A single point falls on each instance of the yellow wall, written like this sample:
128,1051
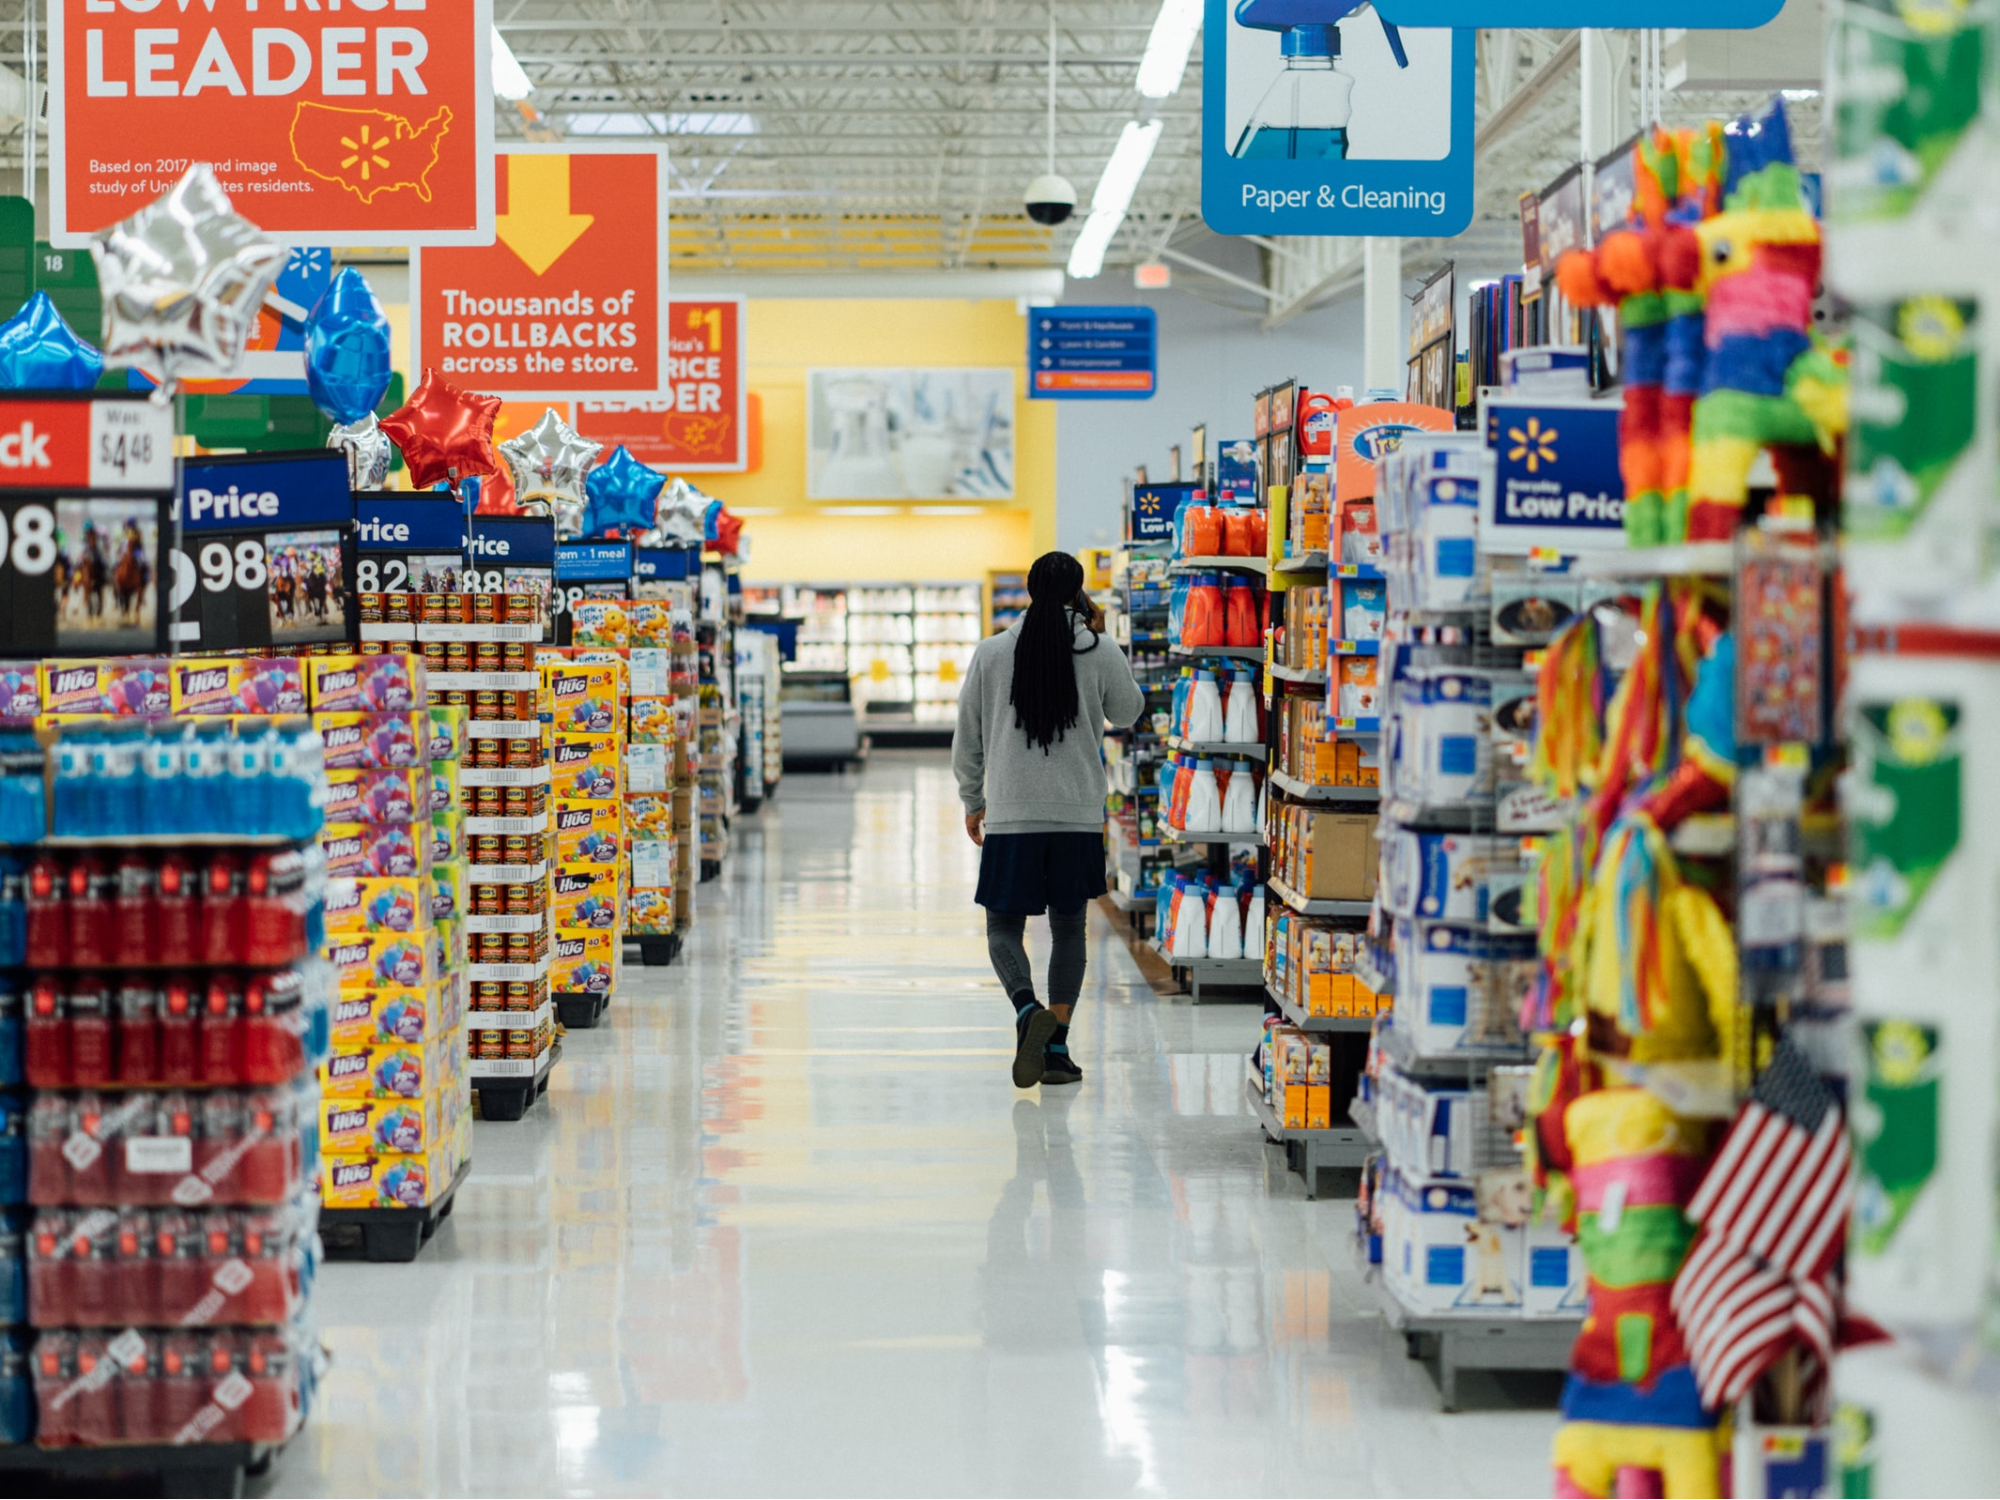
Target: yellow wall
802,542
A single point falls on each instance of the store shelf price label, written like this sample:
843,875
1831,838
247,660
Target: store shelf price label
131,446
265,556
1320,117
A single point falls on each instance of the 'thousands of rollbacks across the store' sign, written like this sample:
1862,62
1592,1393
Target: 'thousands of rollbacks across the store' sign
1092,353
1557,484
1320,118
571,297
1734,15
365,125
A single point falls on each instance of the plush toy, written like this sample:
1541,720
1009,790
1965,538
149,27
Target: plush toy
1768,383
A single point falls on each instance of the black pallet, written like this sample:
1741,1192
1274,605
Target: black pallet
509,1098
656,950
190,1469
388,1234
580,1010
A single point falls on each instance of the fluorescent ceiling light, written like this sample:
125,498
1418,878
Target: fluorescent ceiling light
1086,256
1799,96
509,81
660,122
1167,49
1113,196
1126,167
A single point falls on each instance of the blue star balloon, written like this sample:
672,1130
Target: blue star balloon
623,496
39,353
347,349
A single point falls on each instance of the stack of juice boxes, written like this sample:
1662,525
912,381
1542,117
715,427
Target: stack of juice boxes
583,698
395,1112
1298,1076
172,1001
660,761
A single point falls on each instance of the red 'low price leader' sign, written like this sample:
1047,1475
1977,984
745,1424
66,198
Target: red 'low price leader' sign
695,422
570,299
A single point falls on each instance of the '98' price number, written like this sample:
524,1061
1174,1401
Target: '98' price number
225,567
28,540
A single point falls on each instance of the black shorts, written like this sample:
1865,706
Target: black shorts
1029,873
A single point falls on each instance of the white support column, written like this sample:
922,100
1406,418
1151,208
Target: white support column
1606,90
1383,356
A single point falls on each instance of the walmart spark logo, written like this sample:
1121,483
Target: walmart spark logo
1533,443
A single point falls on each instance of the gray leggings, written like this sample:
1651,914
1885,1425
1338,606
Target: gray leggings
1006,945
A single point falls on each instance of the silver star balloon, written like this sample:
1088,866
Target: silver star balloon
548,463
183,281
368,451
681,515
569,518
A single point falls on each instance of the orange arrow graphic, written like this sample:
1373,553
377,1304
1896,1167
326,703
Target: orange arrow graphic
538,225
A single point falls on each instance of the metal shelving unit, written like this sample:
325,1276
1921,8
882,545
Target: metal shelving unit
1307,1152
1306,906
1307,791
1215,973
1305,1022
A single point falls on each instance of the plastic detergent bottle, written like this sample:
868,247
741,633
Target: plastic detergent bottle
1253,922
1225,926
1304,115
1204,719
1203,810
1239,803
1239,714
1191,925
1240,625
1201,617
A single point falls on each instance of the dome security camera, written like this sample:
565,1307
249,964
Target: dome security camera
1050,199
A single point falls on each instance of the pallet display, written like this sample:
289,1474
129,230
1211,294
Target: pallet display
167,929
584,698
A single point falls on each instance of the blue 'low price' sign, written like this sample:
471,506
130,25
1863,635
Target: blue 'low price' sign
1556,481
1092,353
1318,117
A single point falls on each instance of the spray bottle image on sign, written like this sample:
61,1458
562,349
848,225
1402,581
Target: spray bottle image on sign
1304,115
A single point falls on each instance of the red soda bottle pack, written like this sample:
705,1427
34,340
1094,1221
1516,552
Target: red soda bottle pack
183,1386
174,909
170,1267
170,1148
111,1029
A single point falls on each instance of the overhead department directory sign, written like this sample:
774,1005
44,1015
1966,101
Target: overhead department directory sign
1319,117
1092,353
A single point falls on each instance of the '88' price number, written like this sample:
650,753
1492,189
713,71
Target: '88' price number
28,540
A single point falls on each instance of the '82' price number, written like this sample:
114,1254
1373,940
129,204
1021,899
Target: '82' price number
28,539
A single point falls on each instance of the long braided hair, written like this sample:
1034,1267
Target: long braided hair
1044,689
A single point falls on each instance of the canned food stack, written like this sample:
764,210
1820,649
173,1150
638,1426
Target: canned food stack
170,1005
480,649
392,1113
585,703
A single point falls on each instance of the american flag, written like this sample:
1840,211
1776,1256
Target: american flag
1773,1216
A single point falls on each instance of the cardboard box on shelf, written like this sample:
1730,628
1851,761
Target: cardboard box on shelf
369,1181
392,1070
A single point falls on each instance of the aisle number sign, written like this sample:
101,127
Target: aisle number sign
697,421
370,124
571,297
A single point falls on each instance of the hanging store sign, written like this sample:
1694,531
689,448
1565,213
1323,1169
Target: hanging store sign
1093,354
698,419
1320,118
266,553
86,514
1556,482
570,297
371,125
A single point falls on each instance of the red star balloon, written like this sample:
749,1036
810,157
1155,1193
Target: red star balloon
497,496
445,433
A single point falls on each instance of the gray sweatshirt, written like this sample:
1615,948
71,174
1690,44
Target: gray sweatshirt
1022,789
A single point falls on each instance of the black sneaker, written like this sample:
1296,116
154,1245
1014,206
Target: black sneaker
1058,1068
1032,1030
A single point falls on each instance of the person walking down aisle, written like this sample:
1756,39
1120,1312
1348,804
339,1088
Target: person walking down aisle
1031,775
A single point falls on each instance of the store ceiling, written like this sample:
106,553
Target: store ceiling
841,136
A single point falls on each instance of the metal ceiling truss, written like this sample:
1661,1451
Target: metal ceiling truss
817,135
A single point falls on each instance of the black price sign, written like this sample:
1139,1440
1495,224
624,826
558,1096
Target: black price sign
266,558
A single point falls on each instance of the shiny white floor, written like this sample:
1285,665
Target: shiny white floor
785,1227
